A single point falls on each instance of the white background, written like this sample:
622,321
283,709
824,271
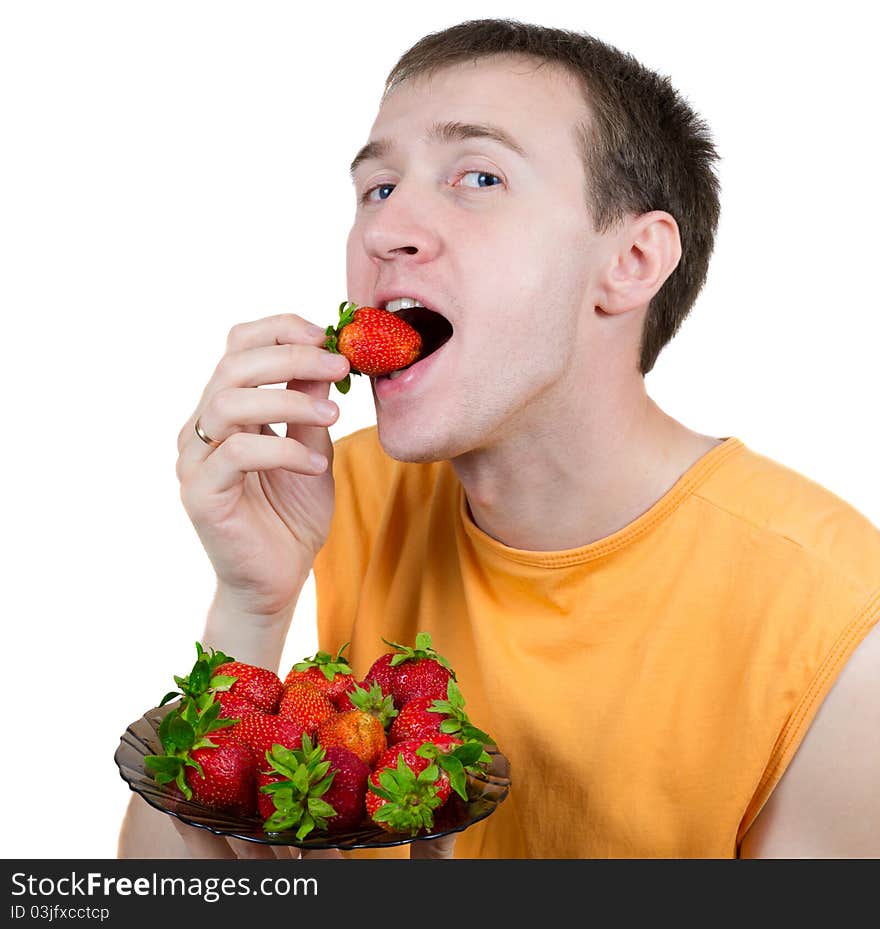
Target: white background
168,169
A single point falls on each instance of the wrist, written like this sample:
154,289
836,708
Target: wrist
248,634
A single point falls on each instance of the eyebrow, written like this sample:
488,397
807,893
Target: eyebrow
443,132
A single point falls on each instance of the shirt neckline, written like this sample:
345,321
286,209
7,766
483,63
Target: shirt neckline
698,472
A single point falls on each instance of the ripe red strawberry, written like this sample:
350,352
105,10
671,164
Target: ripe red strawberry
260,686
405,789
426,717
347,794
343,700
234,707
375,341
382,673
305,704
414,779
331,675
265,803
415,721
311,787
419,671
260,733
226,777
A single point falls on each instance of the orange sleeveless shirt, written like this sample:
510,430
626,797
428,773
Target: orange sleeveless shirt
650,688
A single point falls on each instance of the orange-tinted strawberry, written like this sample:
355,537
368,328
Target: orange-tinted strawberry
225,778
304,703
375,341
362,728
259,686
332,675
357,731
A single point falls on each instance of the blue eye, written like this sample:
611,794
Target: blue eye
369,198
483,179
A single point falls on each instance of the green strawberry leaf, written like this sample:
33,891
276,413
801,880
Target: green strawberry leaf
319,807
199,677
467,754
306,826
344,385
165,767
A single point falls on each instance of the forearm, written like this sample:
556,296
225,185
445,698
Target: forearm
246,636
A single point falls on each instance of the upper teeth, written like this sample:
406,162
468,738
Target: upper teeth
402,303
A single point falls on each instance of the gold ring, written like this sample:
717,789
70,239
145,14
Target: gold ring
205,437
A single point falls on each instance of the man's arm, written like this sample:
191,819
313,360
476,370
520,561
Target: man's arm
827,804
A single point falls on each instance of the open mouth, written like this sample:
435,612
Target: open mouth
435,329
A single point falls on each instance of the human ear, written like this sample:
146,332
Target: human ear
648,248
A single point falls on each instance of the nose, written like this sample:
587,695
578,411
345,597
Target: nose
401,227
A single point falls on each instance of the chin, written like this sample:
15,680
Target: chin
418,444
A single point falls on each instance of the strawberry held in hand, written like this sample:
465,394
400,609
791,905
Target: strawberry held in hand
375,341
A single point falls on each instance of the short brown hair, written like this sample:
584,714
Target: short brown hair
648,150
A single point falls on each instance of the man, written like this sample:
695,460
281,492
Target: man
669,635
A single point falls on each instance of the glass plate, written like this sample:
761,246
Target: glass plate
141,738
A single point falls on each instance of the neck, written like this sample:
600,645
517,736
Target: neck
551,487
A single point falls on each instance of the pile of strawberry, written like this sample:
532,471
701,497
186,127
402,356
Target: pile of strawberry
320,751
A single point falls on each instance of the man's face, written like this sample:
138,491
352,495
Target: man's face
491,232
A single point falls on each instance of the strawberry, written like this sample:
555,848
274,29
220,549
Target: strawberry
303,702
420,671
361,729
405,789
375,341
234,707
347,793
260,733
381,673
413,779
357,731
313,787
343,700
224,777
198,682
185,732
259,686
415,721
425,717
331,675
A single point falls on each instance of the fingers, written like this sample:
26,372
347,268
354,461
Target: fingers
243,409
441,848
203,844
277,364
278,349
280,329
321,853
274,350
252,850
242,453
